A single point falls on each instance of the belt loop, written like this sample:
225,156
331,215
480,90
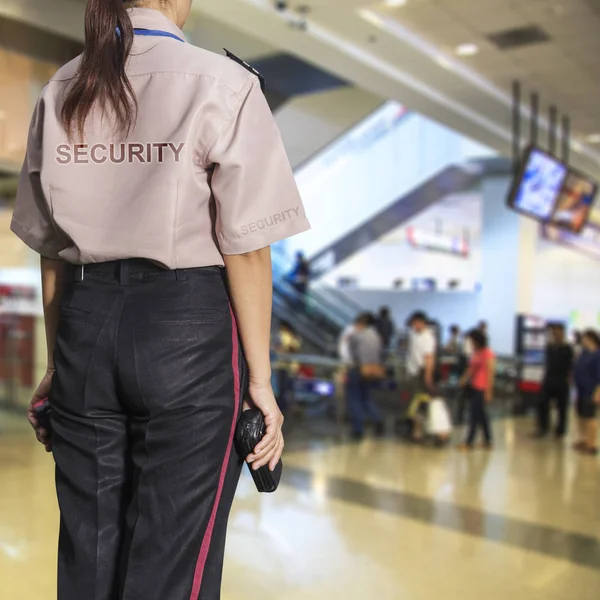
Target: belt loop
123,272
81,273
180,275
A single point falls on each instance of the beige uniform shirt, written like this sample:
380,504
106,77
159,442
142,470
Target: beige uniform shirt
204,172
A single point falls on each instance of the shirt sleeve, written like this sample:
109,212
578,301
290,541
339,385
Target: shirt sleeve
32,221
256,196
428,344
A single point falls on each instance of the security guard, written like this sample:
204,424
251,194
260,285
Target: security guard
151,165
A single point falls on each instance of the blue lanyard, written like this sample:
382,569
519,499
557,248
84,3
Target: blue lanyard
157,33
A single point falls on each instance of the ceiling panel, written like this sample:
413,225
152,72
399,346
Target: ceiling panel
565,70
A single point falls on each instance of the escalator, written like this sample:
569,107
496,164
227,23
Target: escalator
318,325
453,179
347,308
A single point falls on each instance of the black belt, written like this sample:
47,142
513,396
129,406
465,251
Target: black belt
124,270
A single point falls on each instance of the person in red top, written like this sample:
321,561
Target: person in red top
480,376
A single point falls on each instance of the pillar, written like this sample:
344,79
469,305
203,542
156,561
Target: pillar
508,243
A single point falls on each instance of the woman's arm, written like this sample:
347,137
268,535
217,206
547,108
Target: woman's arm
53,282
466,377
251,291
596,393
491,369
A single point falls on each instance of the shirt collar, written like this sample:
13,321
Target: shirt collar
149,18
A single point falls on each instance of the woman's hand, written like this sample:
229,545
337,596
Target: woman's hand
489,396
597,395
270,449
41,393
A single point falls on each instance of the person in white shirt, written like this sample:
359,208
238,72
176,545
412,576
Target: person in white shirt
344,344
420,366
421,353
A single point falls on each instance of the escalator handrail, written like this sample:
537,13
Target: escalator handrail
303,320
344,304
306,332
287,290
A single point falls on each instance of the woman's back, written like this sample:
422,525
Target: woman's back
480,362
150,165
200,120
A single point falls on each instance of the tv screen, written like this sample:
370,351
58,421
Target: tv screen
549,191
574,202
538,185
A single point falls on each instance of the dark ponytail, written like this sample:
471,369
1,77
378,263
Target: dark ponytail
101,78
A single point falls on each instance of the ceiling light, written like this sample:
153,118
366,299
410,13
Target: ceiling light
466,50
444,62
594,138
371,17
395,3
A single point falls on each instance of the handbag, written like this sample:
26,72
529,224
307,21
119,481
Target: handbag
372,372
249,432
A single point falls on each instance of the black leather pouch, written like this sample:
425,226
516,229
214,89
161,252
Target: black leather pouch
250,431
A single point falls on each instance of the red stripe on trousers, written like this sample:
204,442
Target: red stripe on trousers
205,548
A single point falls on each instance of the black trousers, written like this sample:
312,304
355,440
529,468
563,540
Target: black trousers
559,392
478,417
146,396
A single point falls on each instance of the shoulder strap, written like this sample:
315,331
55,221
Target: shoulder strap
248,67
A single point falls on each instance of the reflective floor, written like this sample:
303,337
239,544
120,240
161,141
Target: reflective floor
377,520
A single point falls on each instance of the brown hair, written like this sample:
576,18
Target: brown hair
593,336
101,77
479,339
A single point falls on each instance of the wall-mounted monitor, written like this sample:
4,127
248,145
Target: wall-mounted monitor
574,202
550,191
538,185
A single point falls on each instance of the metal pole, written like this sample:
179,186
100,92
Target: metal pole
516,124
552,130
535,115
566,138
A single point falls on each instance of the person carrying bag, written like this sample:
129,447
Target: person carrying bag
365,352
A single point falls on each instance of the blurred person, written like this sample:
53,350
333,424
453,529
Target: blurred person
577,343
300,274
464,392
483,327
453,346
385,326
365,352
454,351
587,383
556,383
287,342
468,346
480,376
421,354
150,166
344,344
420,364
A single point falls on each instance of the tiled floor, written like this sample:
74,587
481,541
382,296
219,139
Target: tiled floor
379,520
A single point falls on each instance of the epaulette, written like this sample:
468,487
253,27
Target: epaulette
248,67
